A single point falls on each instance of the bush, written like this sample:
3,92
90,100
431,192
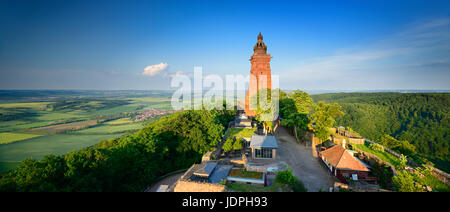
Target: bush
404,182
286,177
377,147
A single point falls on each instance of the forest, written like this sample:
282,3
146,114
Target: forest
127,163
420,119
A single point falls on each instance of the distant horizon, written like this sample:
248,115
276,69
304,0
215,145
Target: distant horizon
308,91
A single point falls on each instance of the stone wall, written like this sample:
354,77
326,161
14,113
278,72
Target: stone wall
257,169
374,159
440,175
348,140
392,152
190,186
356,140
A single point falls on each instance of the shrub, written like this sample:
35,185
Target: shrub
377,147
404,182
286,177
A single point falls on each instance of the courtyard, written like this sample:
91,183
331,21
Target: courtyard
304,165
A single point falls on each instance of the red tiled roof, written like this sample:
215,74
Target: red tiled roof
339,158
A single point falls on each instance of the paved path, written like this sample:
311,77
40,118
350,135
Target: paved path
166,181
304,165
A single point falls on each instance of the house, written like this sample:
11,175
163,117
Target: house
243,121
263,147
343,165
203,177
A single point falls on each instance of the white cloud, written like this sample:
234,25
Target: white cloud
153,70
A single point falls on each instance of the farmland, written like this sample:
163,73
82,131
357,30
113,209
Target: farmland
37,123
6,138
12,154
110,129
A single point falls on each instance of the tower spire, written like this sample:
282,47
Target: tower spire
260,47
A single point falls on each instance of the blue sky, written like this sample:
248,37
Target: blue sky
337,45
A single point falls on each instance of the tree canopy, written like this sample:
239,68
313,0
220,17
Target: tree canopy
420,119
324,118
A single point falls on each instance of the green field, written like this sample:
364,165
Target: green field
6,138
52,116
12,154
29,105
11,126
110,129
120,121
50,122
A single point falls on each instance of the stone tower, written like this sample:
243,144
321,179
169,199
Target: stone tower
260,70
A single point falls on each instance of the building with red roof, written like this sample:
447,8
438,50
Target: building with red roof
343,165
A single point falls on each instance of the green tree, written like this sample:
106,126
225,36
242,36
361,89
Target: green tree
377,147
324,118
404,182
228,145
419,119
238,144
294,109
267,109
303,102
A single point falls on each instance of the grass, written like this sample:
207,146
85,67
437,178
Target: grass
382,155
245,174
433,183
427,180
32,105
12,154
6,138
240,132
241,187
6,166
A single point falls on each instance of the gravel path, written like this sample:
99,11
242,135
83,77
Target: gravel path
305,166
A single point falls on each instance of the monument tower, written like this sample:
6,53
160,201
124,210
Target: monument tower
260,76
